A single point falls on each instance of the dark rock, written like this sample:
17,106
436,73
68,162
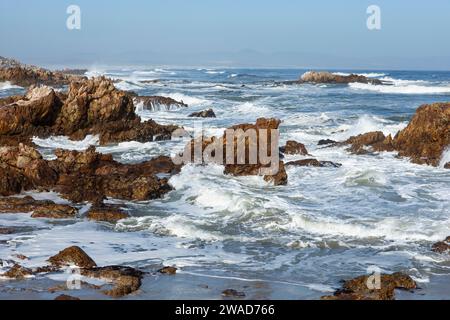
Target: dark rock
65,297
447,165
313,163
233,293
72,255
55,211
441,246
357,289
156,103
293,147
168,270
7,230
326,142
204,114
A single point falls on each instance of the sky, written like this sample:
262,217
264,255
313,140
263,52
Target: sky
331,34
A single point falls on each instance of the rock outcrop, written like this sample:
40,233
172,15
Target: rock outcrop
72,256
294,147
424,140
358,288
39,208
25,75
327,77
203,114
106,213
158,103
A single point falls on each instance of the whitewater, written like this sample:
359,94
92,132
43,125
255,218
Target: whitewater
292,242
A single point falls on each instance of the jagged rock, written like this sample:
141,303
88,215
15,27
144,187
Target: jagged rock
34,112
327,77
203,114
106,213
426,136
126,279
357,289
376,141
18,272
441,246
72,256
294,147
65,297
55,211
25,75
313,163
157,103
168,270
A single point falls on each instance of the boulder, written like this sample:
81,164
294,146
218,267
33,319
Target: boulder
203,114
358,289
293,147
441,246
168,270
72,256
232,293
18,272
324,142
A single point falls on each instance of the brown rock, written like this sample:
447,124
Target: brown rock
72,255
376,141
441,246
22,205
168,270
233,293
327,77
106,213
357,289
18,272
55,211
126,279
293,147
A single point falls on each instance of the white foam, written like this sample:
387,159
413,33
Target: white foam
64,142
127,85
189,100
7,86
400,86
368,75
445,158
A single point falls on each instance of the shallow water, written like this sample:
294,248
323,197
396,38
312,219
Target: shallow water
294,241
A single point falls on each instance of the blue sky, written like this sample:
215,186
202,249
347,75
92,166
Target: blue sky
260,33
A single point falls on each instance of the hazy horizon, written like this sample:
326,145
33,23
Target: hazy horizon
254,34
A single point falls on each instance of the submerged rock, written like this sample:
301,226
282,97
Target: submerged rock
65,297
204,114
18,272
168,270
72,256
358,288
106,213
327,77
324,142
313,163
293,147
233,293
441,246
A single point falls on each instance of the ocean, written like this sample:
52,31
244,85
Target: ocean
273,242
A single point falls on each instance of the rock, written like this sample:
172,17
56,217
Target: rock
204,114
126,279
326,142
168,270
426,136
65,297
357,289
72,256
313,163
327,77
447,165
18,272
441,246
30,113
22,205
55,211
106,213
233,293
7,230
293,147
158,103
376,141
24,75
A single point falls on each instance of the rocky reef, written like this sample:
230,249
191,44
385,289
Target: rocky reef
331,78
